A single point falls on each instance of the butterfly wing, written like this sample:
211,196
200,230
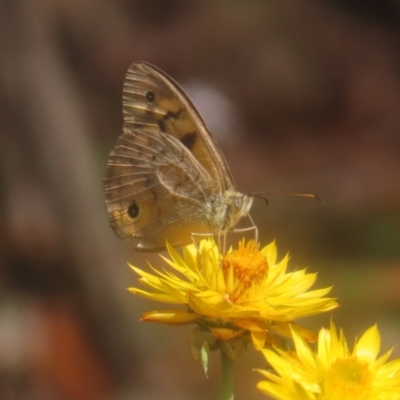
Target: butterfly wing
154,101
155,189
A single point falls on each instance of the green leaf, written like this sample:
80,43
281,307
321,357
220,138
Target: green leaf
205,348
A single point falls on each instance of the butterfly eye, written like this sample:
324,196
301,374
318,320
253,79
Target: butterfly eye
133,210
150,96
239,201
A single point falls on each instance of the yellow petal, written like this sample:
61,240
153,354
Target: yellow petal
258,339
173,317
163,297
369,344
225,333
287,329
271,252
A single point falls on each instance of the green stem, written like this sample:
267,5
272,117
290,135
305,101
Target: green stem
227,376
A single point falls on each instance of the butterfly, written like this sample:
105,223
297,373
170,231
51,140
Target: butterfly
166,178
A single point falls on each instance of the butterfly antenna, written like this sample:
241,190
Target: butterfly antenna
307,195
258,195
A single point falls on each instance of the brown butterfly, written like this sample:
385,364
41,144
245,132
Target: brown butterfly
167,178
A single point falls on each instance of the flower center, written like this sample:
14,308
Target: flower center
348,379
243,268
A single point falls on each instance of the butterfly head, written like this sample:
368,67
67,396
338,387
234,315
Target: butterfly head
229,209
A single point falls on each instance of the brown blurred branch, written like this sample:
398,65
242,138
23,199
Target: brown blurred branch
53,191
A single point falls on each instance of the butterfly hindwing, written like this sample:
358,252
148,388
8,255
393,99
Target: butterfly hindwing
152,184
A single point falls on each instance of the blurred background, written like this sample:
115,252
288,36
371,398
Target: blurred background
302,96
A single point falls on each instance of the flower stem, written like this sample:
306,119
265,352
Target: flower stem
227,365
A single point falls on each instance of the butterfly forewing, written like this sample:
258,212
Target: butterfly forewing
152,100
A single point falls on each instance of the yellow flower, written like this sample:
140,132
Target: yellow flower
244,294
332,372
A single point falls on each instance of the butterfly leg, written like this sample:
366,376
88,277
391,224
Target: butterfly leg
201,236
224,243
220,245
253,227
